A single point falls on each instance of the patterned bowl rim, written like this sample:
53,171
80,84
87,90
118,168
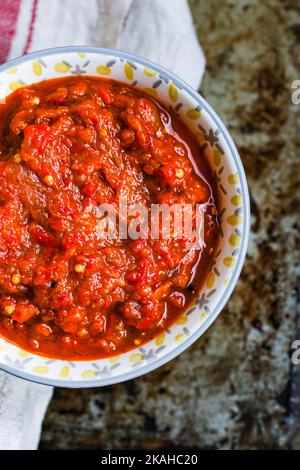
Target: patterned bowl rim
98,382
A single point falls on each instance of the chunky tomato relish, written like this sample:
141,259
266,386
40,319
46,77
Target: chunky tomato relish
67,146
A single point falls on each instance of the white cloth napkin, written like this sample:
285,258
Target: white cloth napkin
160,30
22,409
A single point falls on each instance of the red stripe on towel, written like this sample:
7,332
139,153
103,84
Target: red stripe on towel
8,21
31,26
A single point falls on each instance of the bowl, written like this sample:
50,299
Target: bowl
215,141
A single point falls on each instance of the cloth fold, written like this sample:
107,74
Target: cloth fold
161,31
22,409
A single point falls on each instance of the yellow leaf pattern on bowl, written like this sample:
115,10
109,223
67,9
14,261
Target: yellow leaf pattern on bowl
137,357
88,374
61,67
41,370
148,71
217,157
180,337
233,178
64,372
210,280
182,320
12,70
15,85
234,219
114,359
173,92
234,239
193,113
103,70
128,71
203,316
229,261
150,91
37,68
159,340
23,353
236,200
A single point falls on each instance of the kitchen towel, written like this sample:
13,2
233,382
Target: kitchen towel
159,30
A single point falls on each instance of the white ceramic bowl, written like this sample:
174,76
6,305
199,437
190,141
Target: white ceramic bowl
228,171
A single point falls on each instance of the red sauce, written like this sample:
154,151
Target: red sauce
67,146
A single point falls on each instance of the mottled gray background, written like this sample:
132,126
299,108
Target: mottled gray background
236,387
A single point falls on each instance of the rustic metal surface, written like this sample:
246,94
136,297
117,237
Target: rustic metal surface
236,387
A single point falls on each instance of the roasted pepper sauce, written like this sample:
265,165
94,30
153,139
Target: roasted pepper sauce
67,146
